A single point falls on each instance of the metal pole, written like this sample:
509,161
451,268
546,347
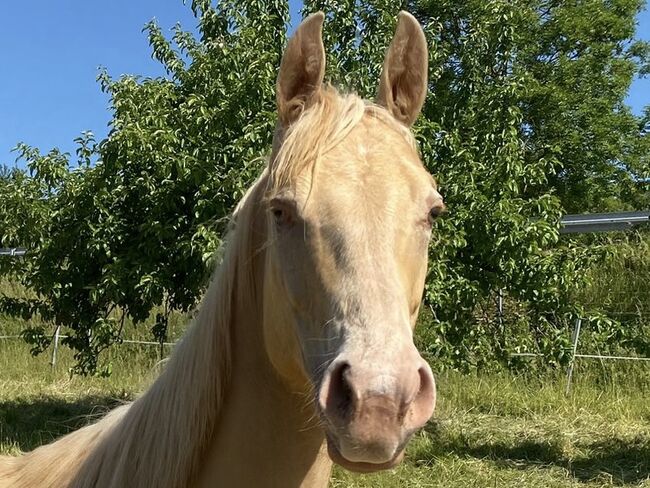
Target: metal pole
56,345
576,335
500,303
500,315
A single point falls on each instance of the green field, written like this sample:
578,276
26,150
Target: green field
492,430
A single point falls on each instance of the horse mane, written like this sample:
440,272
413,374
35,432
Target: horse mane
320,128
158,440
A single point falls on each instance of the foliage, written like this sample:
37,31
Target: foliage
137,229
525,120
505,128
580,66
619,290
506,177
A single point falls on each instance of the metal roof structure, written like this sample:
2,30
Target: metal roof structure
602,222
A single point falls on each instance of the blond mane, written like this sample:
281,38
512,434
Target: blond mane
159,440
320,128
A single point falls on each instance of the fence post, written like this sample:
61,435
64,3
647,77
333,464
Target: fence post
56,345
500,316
576,335
500,303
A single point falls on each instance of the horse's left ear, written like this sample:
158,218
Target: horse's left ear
403,82
302,69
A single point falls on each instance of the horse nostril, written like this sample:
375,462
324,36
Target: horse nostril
340,395
426,381
423,404
337,394
351,399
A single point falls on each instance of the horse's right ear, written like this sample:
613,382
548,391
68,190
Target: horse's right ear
302,70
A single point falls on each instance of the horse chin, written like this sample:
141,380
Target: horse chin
360,467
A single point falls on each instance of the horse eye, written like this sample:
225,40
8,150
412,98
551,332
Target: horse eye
280,216
282,211
436,212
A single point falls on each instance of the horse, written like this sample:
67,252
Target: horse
301,354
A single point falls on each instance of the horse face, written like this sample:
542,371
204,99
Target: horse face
347,251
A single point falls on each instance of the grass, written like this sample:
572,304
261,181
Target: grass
490,430
39,403
500,431
619,289
619,284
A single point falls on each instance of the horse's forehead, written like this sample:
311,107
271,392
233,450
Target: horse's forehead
373,163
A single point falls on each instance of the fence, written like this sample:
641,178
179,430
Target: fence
602,222
20,252
13,251
570,224
587,224
58,336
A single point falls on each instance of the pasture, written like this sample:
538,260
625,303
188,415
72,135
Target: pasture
489,430
327,260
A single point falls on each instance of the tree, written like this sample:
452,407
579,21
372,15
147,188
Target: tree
133,229
581,67
504,179
138,229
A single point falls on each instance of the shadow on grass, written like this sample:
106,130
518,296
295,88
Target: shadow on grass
622,461
27,423
618,461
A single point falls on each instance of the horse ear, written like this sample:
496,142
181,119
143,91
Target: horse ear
403,82
302,69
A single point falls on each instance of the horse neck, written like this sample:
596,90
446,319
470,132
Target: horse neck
157,440
219,404
267,435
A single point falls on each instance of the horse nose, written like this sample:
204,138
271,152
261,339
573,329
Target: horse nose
374,409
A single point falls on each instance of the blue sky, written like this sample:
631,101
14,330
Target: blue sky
51,50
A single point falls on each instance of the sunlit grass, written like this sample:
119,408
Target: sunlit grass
500,431
489,430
